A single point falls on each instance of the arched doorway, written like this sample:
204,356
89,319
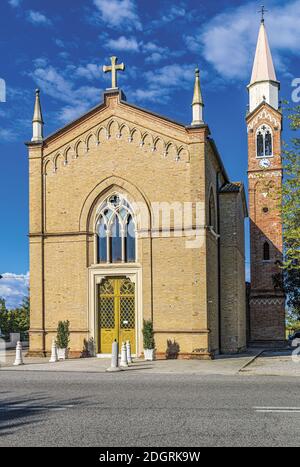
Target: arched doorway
116,310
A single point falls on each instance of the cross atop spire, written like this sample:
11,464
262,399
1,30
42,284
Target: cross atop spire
114,68
262,11
263,86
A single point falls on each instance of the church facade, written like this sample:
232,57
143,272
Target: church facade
133,218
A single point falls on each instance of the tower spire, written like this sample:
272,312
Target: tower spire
263,84
37,121
197,103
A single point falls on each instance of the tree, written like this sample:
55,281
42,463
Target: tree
22,315
3,316
291,214
15,320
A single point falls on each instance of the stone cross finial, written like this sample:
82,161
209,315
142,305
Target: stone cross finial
114,68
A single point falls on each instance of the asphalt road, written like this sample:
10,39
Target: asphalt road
135,409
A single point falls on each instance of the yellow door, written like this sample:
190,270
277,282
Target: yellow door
116,313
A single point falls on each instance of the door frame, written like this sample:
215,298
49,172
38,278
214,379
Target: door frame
95,275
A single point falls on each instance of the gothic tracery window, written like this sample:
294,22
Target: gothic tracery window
115,229
264,141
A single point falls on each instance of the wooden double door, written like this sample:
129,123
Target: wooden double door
116,313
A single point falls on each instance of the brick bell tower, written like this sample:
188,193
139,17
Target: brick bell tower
264,125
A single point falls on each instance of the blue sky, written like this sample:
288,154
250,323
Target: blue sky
60,47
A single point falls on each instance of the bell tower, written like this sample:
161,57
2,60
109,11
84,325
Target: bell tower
264,126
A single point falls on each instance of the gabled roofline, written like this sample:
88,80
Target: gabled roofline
74,122
141,109
216,152
102,105
250,114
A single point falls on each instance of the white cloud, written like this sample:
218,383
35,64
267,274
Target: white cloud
176,12
90,71
15,3
37,18
172,76
152,47
7,135
151,95
161,84
61,88
119,13
154,52
123,43
59,43
13,288
40,62
155,57
228,40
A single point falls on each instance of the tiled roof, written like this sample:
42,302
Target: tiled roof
232,187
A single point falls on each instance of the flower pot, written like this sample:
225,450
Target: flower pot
149,354
62,354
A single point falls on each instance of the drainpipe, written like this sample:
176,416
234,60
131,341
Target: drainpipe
219,262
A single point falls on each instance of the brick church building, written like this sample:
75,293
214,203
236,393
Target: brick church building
264,126
133,217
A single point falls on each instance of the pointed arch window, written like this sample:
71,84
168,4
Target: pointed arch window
264,141
116,232
266,251
212,211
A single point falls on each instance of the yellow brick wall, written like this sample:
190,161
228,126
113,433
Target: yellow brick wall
233,298
69,177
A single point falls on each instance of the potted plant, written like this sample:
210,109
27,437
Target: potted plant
149,343
63,339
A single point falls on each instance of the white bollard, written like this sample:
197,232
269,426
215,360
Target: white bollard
19,356
114,358
53,358
128,351
124,362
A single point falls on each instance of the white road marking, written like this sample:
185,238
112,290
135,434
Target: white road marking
34,407
277,409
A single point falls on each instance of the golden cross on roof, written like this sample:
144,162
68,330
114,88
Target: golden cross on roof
114,68
263,11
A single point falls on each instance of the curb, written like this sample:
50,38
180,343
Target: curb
252,360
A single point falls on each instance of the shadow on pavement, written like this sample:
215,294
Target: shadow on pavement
18,412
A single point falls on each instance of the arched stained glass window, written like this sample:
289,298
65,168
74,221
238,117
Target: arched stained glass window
260,145
116,235
264,141
116,241
130,240
102,242
268,144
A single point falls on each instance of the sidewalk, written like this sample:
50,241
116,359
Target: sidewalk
274,363
223,365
